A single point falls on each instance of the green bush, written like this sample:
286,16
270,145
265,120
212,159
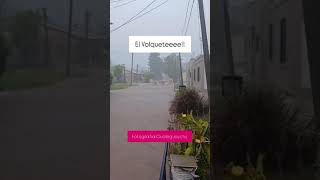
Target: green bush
257,121
118,86
200,146
117,71
235,172
189,101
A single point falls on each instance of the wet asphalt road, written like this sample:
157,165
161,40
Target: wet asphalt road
54,133
143,107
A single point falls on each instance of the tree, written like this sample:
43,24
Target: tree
148,76
111,77
170,66
25,32
156,65
118,72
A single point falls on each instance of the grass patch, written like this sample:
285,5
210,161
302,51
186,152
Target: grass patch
29,79
117,86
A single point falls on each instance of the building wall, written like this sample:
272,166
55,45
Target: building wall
292,76
194,78
239,59
266,71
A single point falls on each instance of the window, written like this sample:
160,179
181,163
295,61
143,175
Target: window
270,52
245,47
198,74
253,32
283,41
194,74
257,44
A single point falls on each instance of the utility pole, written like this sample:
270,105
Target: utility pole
87,36
131,67
175,69
69,38
181,78
46,43
310,14
229,55
175,79
207,63
124,72
137,68
137,72
205,43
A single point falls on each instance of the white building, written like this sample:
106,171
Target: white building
196,75
275,46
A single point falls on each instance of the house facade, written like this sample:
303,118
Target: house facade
275,48
196,75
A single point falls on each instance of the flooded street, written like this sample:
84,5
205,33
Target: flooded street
143,107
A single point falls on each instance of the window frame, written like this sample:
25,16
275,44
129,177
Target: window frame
270,42
198,73
283,41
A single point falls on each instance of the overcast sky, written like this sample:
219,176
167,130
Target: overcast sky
58,11
167,20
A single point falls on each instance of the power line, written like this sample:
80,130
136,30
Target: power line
128,21
138,16
150,10
117,1
200,38
189,18
145,13
185,17
124,4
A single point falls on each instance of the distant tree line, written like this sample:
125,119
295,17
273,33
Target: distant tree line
167,65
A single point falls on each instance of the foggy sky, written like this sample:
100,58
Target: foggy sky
167,20
58,11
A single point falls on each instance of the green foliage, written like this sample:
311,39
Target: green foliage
118,86
236,172
148,76
25,30
111,78
171,66
118,72
189,101
257,121
200,146
156,65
